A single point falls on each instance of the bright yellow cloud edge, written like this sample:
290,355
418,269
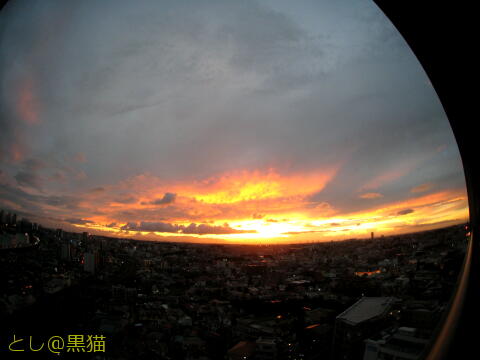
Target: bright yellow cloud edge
275,209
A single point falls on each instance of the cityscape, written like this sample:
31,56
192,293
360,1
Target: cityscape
372,299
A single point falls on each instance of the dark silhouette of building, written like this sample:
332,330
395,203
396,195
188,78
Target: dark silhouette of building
360,321
404,344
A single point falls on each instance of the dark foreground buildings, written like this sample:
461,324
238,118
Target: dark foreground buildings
369,299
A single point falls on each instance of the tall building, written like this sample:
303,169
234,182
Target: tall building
25,225
372,235
89,262
366,317
4,241
8,218
66,253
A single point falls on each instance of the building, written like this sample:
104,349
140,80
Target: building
404,344
366,317
266,349
8,219
243,350
66,253
89,262
5,241
317,341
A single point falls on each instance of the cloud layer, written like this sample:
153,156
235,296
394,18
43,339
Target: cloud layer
205,113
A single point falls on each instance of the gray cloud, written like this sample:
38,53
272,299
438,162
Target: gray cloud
65,201
168,198
151,226
79,221
204,229
29,178
33,205
34,164
126,200
217,86
198,229
405,212
99,189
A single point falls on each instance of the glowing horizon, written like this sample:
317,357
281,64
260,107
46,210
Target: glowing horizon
270,208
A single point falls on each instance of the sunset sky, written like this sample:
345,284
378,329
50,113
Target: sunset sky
239,121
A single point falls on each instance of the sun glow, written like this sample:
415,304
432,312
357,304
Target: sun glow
245,185
258,207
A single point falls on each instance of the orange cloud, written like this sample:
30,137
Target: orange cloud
371,195
237,199
428,200
245,185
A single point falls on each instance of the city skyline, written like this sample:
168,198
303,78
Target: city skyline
221,121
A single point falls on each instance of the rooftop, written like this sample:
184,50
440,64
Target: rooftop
365,309
242,349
